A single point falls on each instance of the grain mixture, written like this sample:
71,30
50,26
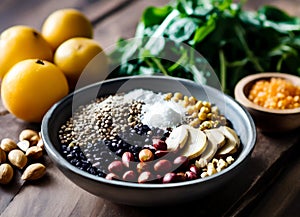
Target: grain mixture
142,136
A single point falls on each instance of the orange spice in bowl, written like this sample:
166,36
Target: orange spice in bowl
276,93
272,99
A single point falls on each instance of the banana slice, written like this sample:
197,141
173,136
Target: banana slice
233,141
196,143
216,140
216,137
227,130
207,155
228,148
177,138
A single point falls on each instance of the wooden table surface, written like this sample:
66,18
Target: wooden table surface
269,187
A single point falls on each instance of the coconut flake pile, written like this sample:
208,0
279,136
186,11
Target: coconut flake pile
157,112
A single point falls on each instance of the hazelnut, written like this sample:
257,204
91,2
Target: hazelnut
34,152
8,144
34,171
17,158
30,135
146,155
6,173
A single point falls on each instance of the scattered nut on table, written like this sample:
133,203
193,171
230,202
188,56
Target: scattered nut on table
8,144
6,173
15,156
34,152
29,135
34,171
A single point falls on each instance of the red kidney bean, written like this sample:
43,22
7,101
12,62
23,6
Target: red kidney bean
169,178
190,175
159,144
161,153
163,166
115,167
127,158
145,176
194,169
112,176
129,176
181,162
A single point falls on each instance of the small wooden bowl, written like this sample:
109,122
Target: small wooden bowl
268,120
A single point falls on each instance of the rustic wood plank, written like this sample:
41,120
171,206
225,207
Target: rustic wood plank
273,153
283,198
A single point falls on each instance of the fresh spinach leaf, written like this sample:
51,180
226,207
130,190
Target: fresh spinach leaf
233,41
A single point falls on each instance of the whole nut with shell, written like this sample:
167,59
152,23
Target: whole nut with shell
2,156
34,171
8,144
34,152
17,158
6,173
30,135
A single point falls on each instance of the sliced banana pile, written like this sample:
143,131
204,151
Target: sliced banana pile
204,145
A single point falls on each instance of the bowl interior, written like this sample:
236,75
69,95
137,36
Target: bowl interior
62,111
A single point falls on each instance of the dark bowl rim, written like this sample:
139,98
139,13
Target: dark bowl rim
243,99
61,162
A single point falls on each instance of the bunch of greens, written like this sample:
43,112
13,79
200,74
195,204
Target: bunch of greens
234,42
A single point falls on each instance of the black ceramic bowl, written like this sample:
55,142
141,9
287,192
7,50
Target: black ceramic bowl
148,194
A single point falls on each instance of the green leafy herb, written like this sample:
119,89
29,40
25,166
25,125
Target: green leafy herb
186,37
